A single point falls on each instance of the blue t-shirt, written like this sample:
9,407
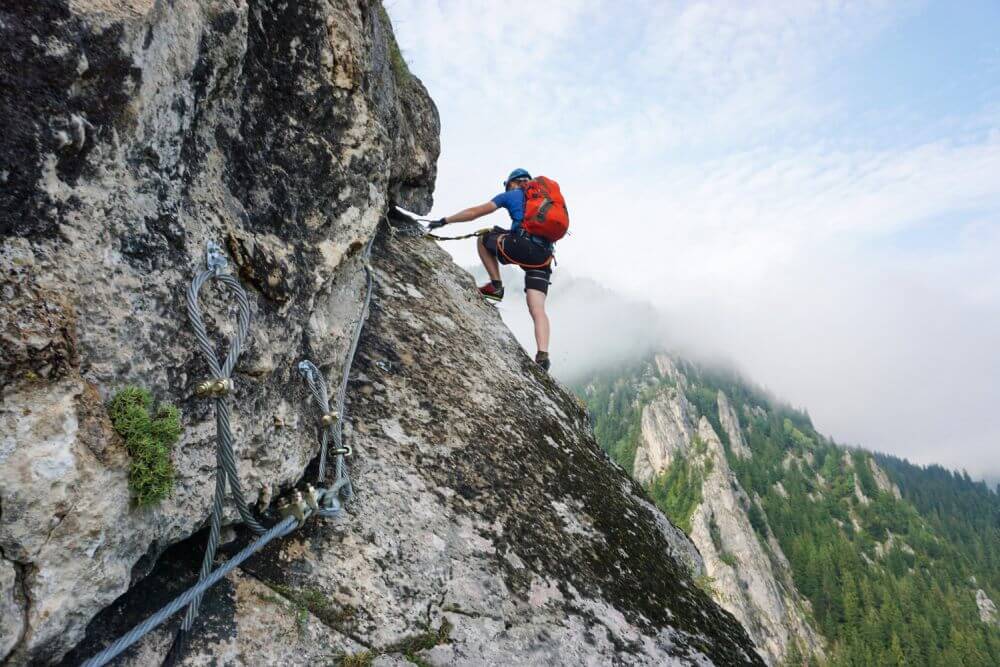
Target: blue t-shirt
513,201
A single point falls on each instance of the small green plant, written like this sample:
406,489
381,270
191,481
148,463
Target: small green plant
301,614
400,69
728,559
408,647
149,437
317,603
706,584
362,659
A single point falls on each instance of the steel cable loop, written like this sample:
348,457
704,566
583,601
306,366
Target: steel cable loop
224,435
281,529
227,458
317,386
226,470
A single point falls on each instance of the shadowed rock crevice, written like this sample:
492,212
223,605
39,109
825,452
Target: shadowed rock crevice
15,603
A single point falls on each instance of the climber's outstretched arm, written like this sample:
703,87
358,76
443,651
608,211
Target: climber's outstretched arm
465,215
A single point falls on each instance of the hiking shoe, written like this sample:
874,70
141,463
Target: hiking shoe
542,359
492,292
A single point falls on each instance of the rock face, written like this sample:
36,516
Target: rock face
882,480
749,577
731,424
135,132
510,528
666,430
987,609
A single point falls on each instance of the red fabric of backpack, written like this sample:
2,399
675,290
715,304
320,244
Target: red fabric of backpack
545,211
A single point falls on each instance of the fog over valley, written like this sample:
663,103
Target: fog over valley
861,385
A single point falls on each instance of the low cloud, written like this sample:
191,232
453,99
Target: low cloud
741,184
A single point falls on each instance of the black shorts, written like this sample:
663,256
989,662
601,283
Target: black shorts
522,251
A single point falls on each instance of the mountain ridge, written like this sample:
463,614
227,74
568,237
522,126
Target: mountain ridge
845,532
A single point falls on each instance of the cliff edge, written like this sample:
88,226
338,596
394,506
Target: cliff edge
487,526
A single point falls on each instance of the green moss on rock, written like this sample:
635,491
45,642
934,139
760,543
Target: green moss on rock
149,438
400,69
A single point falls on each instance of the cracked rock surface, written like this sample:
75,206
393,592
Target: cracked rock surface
488,526
486,518
134,132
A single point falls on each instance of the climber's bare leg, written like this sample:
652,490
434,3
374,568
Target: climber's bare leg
536,307
489,260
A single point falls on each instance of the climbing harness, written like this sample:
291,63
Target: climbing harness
295,507
419,230
543,265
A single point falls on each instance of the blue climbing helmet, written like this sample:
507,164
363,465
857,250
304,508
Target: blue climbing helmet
516,174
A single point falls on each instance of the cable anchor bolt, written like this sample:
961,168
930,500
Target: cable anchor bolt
215,258
215,387
311,497
294,505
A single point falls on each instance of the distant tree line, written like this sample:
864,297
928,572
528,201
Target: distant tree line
889,581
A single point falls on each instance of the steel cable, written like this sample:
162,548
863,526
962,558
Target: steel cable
138,632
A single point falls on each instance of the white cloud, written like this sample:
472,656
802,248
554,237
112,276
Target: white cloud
715,163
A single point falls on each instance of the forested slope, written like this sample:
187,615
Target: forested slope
898,563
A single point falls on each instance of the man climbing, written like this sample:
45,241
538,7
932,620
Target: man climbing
538,219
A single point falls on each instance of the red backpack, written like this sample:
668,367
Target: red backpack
545,211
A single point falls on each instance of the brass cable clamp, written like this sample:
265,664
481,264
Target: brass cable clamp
294,505
213,388
311,497
330,417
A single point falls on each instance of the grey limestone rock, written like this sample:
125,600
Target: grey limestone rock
135,132
749,576
731,424
486,514
987,609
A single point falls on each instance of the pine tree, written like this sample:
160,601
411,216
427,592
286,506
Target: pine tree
898,658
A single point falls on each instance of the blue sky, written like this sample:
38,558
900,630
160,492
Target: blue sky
809,188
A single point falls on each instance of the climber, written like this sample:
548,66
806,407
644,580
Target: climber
538,219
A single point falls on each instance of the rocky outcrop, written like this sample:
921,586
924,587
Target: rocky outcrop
666,430
668,370
882,480
731,425
987,609
133,134
746,576
749,575
510,540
